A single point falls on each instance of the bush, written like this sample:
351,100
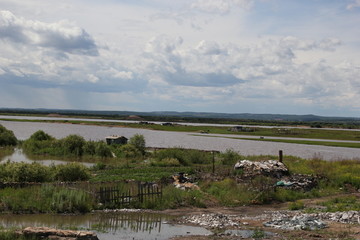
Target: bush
102,150
138,141
90,148
71,172
7,137
40,135
128,151
24,172
230,157
73,145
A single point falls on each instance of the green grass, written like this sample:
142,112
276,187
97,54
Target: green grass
307,142
342,204
146,174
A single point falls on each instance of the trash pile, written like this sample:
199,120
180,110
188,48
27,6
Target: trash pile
298,182
271,168
182,182
213,220
297,222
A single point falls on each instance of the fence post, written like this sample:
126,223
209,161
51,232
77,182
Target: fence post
280,155
213,162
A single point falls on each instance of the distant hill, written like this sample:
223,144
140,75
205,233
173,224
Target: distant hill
184,115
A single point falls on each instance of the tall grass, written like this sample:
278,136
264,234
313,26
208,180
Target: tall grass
45,199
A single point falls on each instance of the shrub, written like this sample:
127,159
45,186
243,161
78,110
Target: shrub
90,148
102,150
7,137
230,157
128,151
40,135
138,141
71,172
24,172
73,145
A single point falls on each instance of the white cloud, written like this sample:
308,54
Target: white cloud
63,36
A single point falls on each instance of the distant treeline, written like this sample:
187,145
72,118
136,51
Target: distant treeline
200,117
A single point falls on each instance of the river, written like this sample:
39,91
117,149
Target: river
164,139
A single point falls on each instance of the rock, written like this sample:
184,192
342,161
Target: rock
58,234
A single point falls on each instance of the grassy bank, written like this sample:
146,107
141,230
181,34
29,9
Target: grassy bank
307,142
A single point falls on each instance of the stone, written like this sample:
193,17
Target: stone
58,234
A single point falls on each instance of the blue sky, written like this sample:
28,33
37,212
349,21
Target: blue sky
231,56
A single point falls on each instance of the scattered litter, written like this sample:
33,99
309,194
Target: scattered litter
298,182
297,222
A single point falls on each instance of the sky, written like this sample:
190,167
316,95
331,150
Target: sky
225,56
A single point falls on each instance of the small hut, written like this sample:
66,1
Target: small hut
115,139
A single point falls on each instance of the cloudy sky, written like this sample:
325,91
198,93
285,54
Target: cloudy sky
231,56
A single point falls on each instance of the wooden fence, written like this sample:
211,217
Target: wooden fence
115,195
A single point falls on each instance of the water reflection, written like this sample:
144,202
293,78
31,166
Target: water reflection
120,225
17,155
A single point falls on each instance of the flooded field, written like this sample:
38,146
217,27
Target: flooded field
23,130
109,226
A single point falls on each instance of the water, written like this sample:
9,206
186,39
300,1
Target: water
19,156
163,139
109,226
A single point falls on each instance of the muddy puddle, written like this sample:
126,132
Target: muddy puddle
109,226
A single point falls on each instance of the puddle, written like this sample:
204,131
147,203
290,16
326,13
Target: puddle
109,226
19,156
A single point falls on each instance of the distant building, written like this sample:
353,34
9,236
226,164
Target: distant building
114,139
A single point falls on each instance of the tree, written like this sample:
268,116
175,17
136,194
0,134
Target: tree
40,135
7,137
138,141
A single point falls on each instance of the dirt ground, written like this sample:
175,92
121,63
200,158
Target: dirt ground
332,231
